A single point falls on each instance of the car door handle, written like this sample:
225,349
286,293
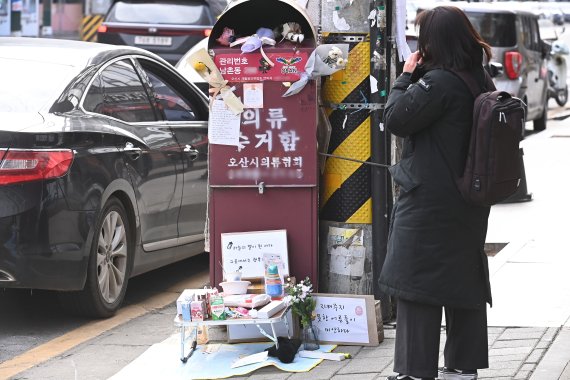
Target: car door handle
132,151
192,152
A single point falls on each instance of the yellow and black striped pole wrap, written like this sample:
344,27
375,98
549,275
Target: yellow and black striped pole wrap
346,188
89,26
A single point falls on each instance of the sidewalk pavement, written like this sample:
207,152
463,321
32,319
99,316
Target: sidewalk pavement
529,333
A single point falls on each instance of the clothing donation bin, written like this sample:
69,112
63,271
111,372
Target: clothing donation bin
268,181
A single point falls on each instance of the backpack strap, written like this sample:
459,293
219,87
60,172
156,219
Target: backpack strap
474,87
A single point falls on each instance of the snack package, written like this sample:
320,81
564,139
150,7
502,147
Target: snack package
197,310
218,308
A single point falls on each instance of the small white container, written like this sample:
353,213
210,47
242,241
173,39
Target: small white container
235,287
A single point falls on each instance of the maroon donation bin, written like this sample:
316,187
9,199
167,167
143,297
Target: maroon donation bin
269,181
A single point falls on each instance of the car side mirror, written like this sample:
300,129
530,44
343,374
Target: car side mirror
62,107
494,69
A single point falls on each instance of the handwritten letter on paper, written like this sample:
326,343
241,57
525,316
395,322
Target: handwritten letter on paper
248,249
223,125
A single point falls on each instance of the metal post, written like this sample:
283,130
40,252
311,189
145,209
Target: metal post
46,21
346,249
16,18
380,147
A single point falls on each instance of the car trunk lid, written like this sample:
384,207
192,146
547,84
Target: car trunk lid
19,121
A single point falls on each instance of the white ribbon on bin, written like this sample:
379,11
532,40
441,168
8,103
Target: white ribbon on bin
325,60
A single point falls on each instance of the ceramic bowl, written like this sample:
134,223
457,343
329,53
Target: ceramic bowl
235,287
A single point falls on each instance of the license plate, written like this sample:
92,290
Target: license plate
153,40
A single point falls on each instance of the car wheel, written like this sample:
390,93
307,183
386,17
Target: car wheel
540,123
562,97
109,267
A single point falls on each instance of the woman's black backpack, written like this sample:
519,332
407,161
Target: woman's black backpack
492,170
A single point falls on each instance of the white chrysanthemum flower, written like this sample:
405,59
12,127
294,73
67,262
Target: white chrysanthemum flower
335,52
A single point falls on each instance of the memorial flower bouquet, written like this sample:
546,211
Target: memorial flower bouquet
302,302
303,305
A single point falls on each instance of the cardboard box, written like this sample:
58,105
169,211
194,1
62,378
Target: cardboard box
271,309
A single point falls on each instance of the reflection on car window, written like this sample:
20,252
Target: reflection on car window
497,29
527,32
534,34
169,102
124,96
93,101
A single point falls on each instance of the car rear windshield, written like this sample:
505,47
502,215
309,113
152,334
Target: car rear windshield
497,29
161,13
31,85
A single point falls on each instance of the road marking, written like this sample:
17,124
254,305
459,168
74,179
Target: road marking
59,345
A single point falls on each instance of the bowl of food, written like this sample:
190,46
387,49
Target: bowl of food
235,287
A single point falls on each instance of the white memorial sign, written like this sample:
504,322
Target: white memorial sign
346,319
247,250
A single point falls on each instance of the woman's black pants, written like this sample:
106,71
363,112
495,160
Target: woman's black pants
418,329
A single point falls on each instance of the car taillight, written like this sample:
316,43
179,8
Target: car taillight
102,29
513,62
207,32
33,165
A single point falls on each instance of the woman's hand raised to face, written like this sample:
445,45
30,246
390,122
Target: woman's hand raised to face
413,60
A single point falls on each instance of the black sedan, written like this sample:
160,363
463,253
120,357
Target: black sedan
103,169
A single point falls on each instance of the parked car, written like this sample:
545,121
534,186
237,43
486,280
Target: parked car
103,153
168,28
516,44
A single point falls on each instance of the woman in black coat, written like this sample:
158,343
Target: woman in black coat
435,248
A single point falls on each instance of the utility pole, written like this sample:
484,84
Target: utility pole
16,18
46,23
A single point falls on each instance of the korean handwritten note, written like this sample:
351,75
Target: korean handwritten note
247,250
342,320
223,126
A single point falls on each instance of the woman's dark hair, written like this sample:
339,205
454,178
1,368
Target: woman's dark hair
448,39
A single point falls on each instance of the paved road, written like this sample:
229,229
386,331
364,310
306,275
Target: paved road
34,328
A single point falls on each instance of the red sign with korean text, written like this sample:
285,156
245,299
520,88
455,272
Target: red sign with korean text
251,67
277,144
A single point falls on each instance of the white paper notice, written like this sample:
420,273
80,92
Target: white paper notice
253,95
251,359
347,261
373,84
341,319
340,22
223,125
